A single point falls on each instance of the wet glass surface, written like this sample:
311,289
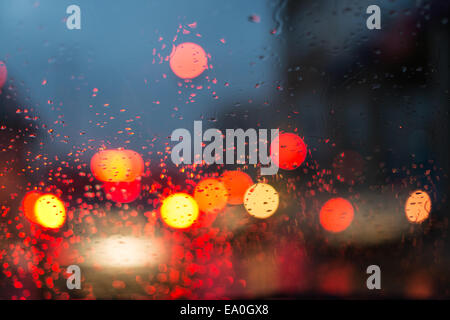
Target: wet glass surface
87,169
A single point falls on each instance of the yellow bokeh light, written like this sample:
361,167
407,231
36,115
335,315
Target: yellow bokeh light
418,206
50,211
261,200
179,210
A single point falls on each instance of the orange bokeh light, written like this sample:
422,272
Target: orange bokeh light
188,60
418,206
211,195
117,165
291,153
336,215
236,182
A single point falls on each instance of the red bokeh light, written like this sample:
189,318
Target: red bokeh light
292,151
236,182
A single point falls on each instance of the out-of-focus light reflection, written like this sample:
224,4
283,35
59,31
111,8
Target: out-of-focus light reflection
179,210
291,153
336,215
117,165
28,202
380,219
236,182
49,211
118,252
418,206
211,195
188,60
261,200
